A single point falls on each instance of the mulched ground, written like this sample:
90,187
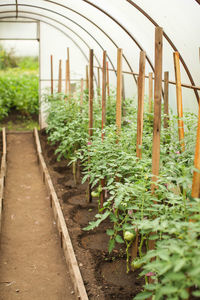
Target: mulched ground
104,275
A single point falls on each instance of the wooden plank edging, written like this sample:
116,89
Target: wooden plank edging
66,243
2,173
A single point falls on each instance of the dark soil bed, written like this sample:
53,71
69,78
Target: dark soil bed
104,274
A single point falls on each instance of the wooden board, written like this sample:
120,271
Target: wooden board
119,91
3,173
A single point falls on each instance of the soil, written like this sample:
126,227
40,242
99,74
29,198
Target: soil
32,265
104,274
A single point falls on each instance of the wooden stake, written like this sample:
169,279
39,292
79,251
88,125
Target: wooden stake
91,93
141,87
179,100
157,106
51,74
166,100
68,75
60,77
150,91
87,78
108,84
103,93
119,90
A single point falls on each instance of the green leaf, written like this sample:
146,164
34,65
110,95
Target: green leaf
119,239
196,293
166,290
110,232
179,264
143,295
184,294
111,245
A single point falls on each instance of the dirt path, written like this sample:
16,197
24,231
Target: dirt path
32,265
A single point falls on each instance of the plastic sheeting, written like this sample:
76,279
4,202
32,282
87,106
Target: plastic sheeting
106,25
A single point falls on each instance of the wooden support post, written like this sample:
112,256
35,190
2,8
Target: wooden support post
119,90
60,77
166,99
91,95
150,91
108,83
196,174
141,87
51,74
87,78
179,100
157,106
68,75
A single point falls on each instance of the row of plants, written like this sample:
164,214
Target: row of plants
19,84
169,218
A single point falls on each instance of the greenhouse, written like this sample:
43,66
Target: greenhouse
100,149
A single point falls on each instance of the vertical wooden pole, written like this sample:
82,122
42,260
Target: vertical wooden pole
166,99
150,91
196,175
51,74
179,100
119,90
108,83
87,78
91,93
68,68
141,87
66,77
60,77
157,106
81,95
103,121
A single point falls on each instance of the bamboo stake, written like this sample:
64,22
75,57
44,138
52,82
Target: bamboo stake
60,77
150,91
166,100
51,74
68,75
119,90
108,83
157,106
196,174
179,100
141,87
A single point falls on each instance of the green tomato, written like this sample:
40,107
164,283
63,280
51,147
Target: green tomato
136,264
99,189
129,236
95,194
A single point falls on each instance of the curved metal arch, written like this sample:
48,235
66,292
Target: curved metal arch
144,13
44,16
63,32
106,34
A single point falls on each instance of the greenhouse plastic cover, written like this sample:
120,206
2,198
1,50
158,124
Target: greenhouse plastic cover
110,24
